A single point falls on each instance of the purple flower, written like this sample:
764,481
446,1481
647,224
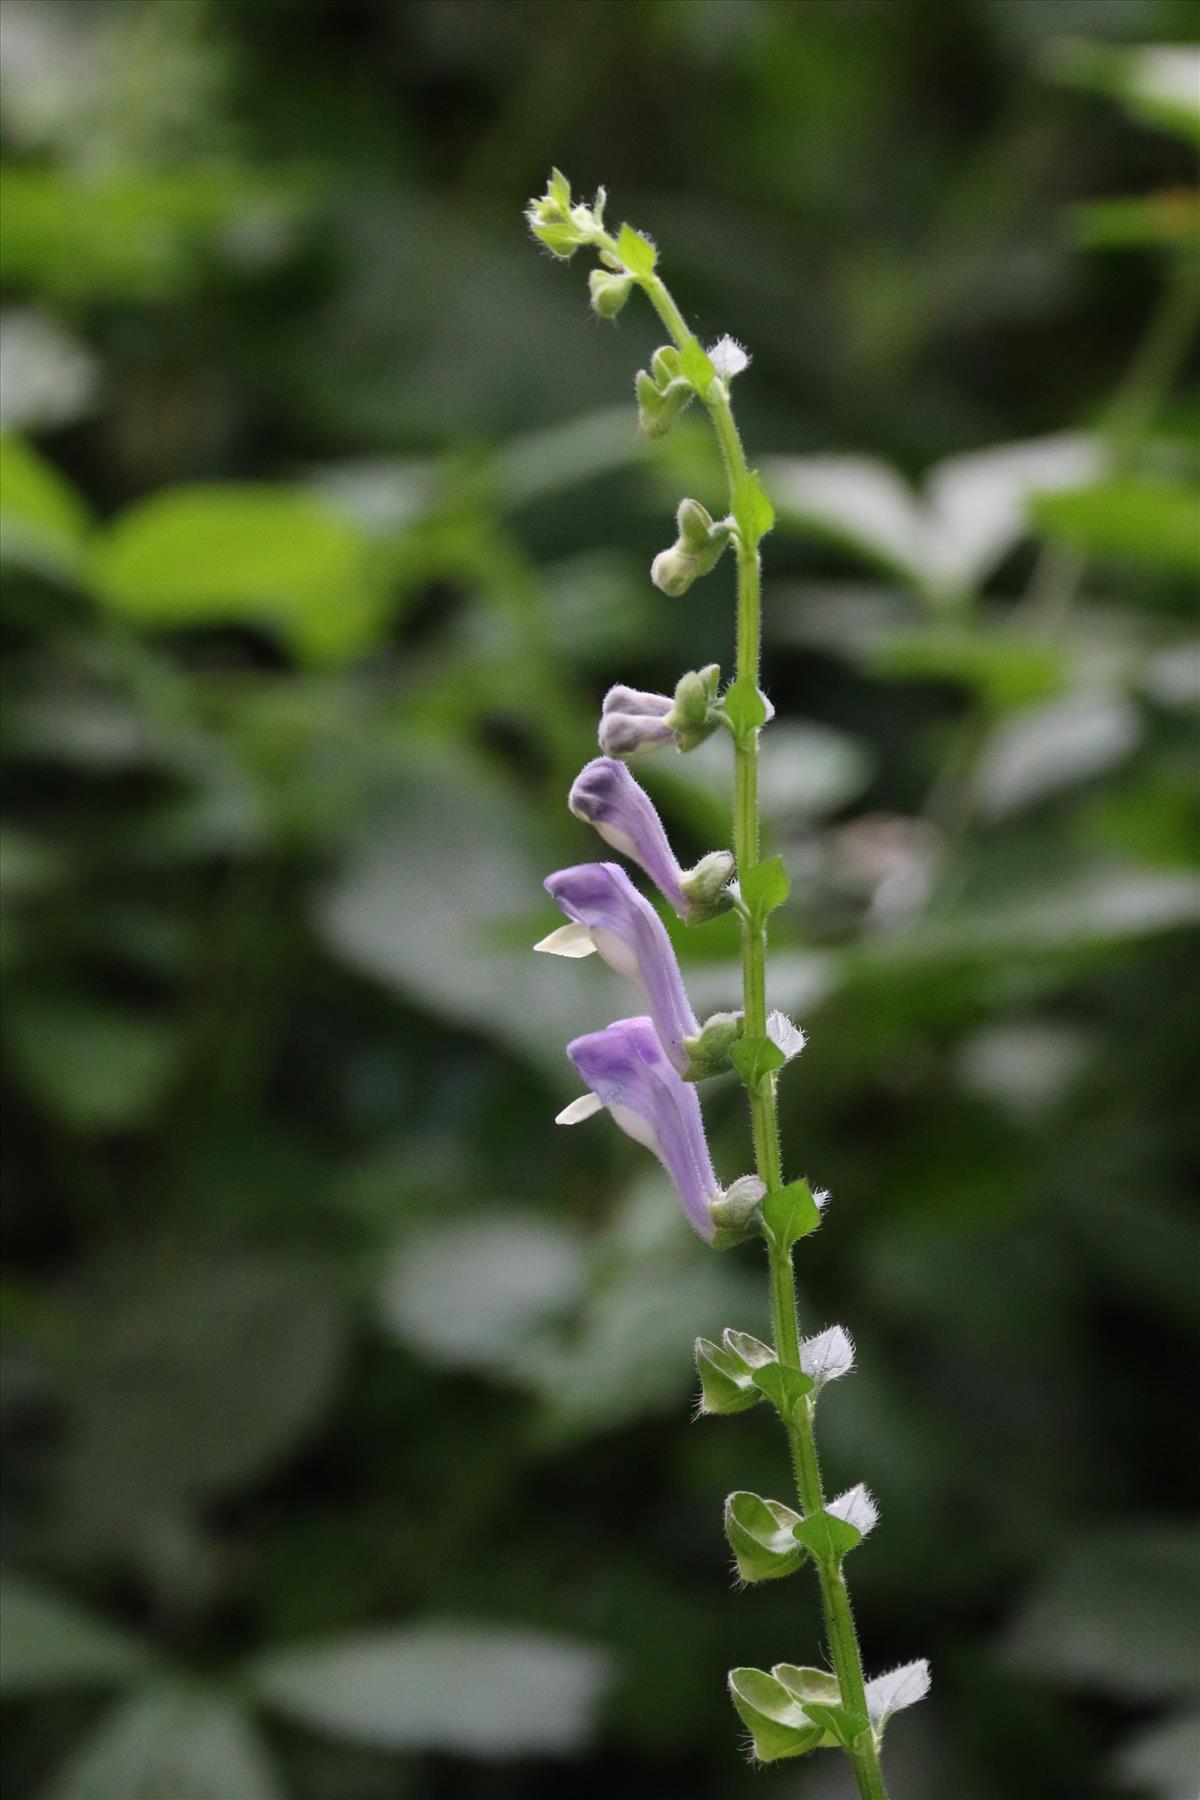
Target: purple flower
631,719
626,1070
607,796
606,909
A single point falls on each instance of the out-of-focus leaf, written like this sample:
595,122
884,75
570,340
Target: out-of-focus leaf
474,1294
261,554
628,1354
47,377
1118,1611
1161,1762
1130,520
807,771
139,237
1002,668
1170,218
43,521
1105,905
974,508
464,1689
193,1381
97,1068
543,463
1158,84
450,916
1039,752
48,1643
170,1743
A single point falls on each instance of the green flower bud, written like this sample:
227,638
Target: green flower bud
708,1051
561,227
665,364
737,1208
609,292
658,408
696,551
706,887
695,524
673,571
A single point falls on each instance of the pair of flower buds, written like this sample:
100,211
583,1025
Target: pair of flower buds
644,1069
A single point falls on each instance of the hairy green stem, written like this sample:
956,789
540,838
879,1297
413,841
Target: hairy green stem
835,1600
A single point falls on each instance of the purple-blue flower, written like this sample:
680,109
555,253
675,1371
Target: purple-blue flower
626,1070
606,795
608,914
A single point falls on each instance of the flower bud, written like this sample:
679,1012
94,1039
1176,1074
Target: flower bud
561,227
658,408
735,1209
664,365
633,720
708,1050
706,887
694,523
695,552
609,292
673,571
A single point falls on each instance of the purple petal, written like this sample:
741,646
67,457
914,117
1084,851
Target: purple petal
621,734
636,700
606,795
626,1069
631,938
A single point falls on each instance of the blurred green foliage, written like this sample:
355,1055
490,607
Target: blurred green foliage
347,1449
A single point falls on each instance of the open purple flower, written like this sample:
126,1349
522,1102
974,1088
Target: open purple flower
606,795
608,914
626,1071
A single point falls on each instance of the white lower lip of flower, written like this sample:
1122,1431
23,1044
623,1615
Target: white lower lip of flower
616,954
568,940
639,1129
576,1111
620,840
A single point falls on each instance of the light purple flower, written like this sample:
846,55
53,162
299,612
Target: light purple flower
606,795
631,719
604,906
626,1070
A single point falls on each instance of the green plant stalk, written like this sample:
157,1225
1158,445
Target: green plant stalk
835,1599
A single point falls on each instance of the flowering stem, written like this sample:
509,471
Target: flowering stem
835,1600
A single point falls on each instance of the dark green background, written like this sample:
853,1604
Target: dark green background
317,1333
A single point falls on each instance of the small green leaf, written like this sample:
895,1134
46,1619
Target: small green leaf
791,1213
636,252
745,707
828,1538
777,1723
842,1726
765,886
755,1058
752,510
694,366
784,1387
760,1534
725,1384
